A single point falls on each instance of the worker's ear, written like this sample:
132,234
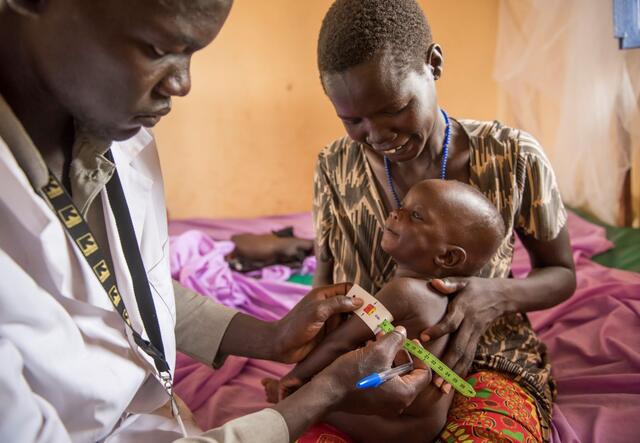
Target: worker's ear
453,257
29,8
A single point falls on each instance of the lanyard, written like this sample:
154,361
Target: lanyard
78,229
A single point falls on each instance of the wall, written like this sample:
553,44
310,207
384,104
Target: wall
244,142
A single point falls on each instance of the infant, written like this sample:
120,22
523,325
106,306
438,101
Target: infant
444,228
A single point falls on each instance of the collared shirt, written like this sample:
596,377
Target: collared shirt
71,369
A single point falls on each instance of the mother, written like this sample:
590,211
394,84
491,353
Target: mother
378,66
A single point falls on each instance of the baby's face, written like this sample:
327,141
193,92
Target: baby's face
415,234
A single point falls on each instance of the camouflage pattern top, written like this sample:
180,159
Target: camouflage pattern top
510,168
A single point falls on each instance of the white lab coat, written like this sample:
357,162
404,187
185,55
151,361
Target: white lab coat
68,369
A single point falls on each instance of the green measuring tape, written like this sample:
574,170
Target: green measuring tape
458,383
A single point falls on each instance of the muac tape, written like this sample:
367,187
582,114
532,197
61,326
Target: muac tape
378,318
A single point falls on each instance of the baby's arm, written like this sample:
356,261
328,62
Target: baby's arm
354,332
416,307
350,335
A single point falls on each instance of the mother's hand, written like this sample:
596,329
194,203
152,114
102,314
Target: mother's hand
476,303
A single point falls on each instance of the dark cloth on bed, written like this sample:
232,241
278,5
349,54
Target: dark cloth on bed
509,167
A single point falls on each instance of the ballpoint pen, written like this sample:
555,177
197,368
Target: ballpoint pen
377,378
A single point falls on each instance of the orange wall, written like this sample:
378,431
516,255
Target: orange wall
244,142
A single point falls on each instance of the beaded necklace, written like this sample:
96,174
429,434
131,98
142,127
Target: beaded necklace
443,162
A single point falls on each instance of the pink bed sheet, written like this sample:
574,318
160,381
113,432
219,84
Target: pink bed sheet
593,339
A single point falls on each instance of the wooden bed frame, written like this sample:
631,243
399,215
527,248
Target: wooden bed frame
626,21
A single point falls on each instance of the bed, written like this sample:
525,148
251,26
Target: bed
593,339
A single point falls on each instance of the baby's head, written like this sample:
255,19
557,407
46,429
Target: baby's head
444,228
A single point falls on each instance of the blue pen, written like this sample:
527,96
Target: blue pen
376,379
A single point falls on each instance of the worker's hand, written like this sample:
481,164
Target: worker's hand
390,398
319,312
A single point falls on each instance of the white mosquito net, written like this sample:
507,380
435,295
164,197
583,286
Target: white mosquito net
563,79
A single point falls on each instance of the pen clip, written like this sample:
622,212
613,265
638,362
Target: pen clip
377,378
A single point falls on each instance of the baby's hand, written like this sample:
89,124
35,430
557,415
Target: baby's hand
271,389
289,385
278,390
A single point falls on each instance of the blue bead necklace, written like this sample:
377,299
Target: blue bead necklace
443,162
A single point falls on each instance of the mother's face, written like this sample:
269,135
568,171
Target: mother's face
391,112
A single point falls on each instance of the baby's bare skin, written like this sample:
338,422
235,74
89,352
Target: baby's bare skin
444,229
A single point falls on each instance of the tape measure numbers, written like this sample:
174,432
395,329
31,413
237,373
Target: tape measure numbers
458,383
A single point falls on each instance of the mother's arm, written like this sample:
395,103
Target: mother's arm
324,221
323,275
479,301
552,279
